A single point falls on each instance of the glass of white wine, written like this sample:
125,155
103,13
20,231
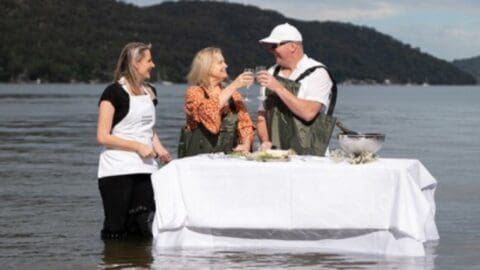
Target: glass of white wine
259,69
252,72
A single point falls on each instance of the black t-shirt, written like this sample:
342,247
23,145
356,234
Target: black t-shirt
120,100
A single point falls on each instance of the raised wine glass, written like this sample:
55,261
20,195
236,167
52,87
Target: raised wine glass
262,89
252,72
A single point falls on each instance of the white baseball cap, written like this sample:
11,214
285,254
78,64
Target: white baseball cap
281,33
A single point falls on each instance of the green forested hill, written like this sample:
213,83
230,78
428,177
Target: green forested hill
80,40
470,65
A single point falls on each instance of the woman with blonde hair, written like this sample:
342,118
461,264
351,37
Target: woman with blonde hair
216,116
126,118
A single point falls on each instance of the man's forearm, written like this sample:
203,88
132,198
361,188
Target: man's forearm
262,128
304,109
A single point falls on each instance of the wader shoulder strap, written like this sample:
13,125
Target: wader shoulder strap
151,92
276,70
307,72
231,104
304,74
333,96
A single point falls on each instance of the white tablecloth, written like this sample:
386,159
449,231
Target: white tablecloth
383,207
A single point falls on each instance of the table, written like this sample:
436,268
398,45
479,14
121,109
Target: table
384,207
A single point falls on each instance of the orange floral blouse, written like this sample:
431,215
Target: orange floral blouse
202,110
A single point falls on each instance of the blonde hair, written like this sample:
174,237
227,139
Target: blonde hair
132,52
200,69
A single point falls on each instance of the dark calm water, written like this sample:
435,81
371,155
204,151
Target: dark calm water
51,211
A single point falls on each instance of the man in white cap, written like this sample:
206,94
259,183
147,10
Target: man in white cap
299,93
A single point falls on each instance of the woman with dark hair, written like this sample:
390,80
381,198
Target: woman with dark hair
126,119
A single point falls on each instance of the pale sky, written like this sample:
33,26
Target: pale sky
446,29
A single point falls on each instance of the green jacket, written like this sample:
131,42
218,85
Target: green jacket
200,140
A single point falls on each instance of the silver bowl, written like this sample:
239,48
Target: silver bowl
363,142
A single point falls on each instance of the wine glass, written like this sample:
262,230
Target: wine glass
251,72
259,69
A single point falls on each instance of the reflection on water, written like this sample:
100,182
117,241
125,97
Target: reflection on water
133,253
281,259
139,254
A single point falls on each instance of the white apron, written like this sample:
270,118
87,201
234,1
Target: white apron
137,125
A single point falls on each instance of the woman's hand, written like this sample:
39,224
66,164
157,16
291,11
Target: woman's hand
160,151
266,146
243,148
164,155
243,80
144,151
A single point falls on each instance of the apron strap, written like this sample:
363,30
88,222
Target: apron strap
148,88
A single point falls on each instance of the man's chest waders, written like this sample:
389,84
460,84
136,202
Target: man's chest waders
287,131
